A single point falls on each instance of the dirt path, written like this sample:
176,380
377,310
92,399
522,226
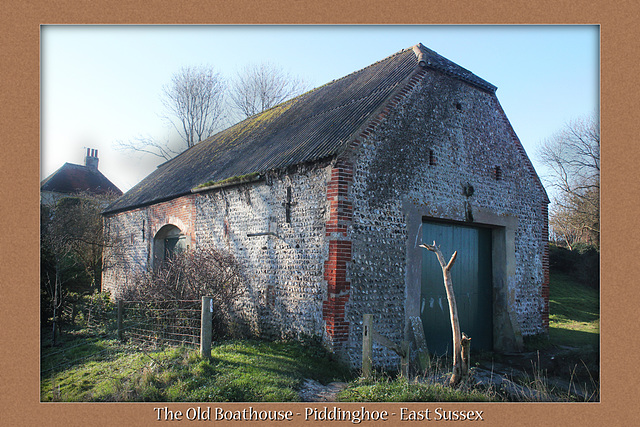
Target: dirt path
313,391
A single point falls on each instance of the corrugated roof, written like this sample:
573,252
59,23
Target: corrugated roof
72,178
316,125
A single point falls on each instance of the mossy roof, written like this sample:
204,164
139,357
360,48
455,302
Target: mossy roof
316,125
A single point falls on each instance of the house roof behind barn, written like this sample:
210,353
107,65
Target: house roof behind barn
72,178
316,125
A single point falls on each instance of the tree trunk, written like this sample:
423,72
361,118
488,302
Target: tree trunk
55,308
461,342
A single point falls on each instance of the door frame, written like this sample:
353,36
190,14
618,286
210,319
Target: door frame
484,283
507,335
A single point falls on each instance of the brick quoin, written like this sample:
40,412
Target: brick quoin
335,267
340,216
336,326
545,267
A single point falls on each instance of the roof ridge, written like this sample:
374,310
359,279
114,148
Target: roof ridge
423,54
359,71
337,80
253,117
432,59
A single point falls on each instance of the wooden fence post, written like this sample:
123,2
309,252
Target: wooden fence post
422,352
205,327
367,344
368,335
404,361
120,313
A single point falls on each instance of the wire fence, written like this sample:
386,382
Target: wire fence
175,322
90,333
102,337
93,313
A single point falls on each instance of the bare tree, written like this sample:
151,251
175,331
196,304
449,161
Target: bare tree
195,102
195,107
563,230
461,342
259,87
149,145
573,158
71,243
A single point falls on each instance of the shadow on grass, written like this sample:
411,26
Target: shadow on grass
573,338
575,309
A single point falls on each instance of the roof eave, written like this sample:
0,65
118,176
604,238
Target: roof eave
135,206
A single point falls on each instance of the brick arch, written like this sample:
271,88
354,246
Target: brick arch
176,222
163,237
166,230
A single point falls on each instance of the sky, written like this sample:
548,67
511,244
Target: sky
103,84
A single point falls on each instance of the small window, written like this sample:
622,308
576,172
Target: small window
497,173
432,158
287,206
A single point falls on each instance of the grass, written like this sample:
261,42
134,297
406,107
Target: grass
574,329
257,371
231,180
238,371
574,318
387,389
573,346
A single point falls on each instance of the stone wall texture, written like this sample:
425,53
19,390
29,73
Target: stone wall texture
286,287
444,134
340,244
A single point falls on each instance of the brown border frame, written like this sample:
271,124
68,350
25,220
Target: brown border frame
19,124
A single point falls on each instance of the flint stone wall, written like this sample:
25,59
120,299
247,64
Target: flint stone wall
445,136
285,288
344,249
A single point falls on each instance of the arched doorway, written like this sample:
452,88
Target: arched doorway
168,242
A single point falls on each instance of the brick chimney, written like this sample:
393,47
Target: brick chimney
91,159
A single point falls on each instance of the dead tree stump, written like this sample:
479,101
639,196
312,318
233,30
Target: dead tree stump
461,343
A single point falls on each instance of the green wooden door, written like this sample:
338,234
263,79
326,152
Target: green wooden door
472,284
170,244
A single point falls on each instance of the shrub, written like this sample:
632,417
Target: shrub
94,310
582,263
587,266
189,276
562,259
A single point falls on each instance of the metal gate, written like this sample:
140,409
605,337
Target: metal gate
472,284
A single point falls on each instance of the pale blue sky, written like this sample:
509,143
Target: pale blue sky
101,84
